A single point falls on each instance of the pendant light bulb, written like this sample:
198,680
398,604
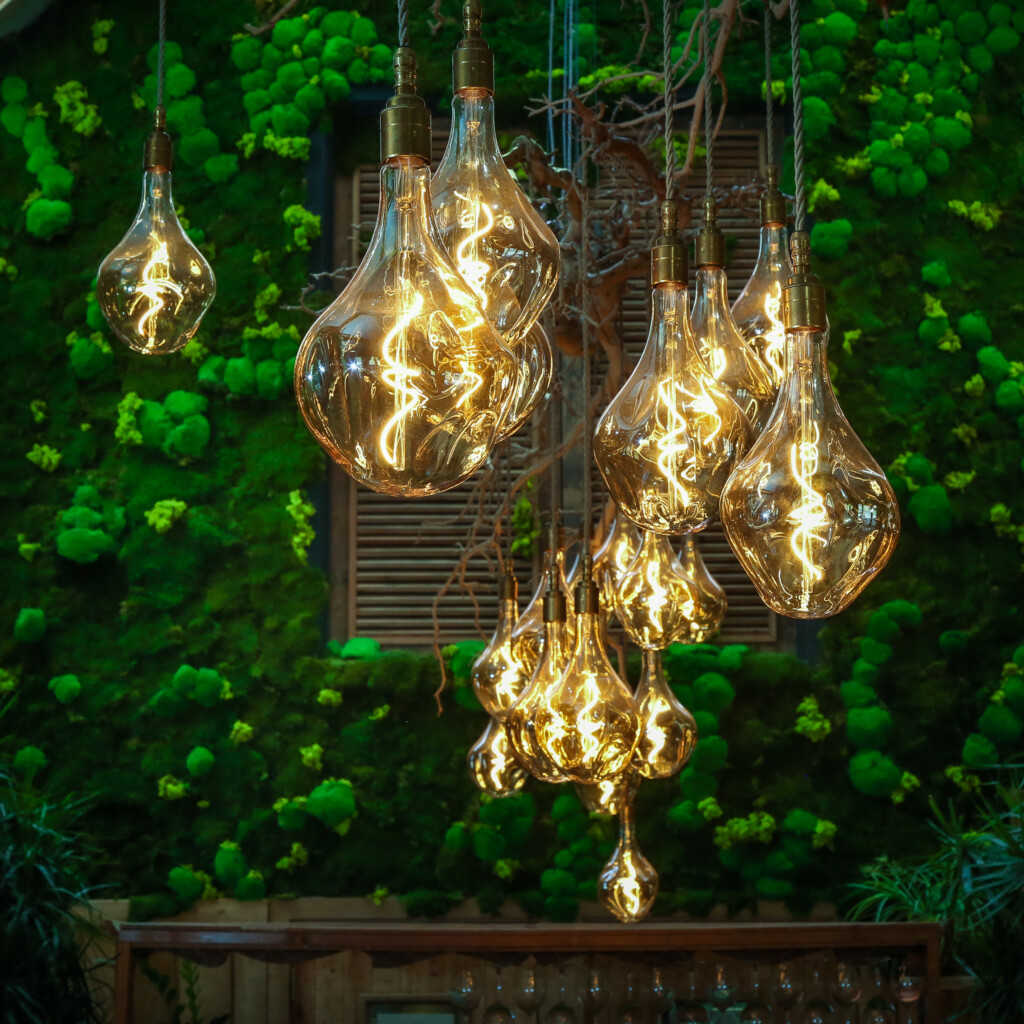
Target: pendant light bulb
628,885
402,379
552,657
528,634
733,362
492,765
758,310
155,286
669,439
711,604
501,245
586,723
498,675
808,511
668,732
655,599
614,557
611,795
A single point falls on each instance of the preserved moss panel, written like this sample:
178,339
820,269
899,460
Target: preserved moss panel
164,647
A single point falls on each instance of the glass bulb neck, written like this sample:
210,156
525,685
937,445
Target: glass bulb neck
474,136
773,248
712,287
156,194
405,203
652,663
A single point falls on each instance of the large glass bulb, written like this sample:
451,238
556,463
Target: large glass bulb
758,310
492,765
586,723
155,286
528,634
655,599
668,440
732,361
553,656
668,732
533,377
611,795
628,885
710,607
614,557
498,675
808,512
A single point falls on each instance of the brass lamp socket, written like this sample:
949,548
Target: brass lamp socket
773,202
803,298
586,596
159,151
668,255
508,589
554,606
405,121
472,61
709,245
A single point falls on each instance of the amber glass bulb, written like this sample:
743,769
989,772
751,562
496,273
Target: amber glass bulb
758,310
668,440
611,795
553,656
492,765
628,884
733,362
668,732
528,634
614,557
402,379
586,723
155,286
808,512
710,607
498,674
532,379
655,599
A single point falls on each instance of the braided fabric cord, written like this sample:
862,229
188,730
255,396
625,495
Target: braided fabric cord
551,78
403,22
798,117
162,36
554,416
670,114
769,100
708,158
588,410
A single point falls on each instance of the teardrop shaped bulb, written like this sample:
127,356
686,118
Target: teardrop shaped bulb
614,557
492,764
808,512
610,795
711,605
528,634
498,675
669,439
655,599
155,286
585,722
668,732
536,364
628,884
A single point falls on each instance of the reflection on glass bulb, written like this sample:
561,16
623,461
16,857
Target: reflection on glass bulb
611,795
532,379
614,557
808,512
155,285
655,599
492,765
628,884
668,732
668,439
528,634
586,723
498,675
552,657
710,607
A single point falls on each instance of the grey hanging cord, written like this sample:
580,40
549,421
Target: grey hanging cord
769,100
587,527
161,41
670,115
554,417
403,22
551,79
708,160
798,117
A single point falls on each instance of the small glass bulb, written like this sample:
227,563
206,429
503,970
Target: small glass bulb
655,599
498,675
731,359
611,795
528,634
586,723
492,764
628,884
155,286
614,557
808,512
668,732
709,610
668,440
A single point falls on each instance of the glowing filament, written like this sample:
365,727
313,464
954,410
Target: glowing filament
156,284
774,334
810,513
474,270
398,376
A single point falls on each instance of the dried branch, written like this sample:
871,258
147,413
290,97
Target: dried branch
268,25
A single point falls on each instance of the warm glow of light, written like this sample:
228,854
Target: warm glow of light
474,270
809,514
773,349
398,375
155,287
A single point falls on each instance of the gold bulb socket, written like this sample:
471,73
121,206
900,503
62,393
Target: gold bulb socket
669,263
586,598
508,589
554,606
159,151
709,245
405,121
472,61
803,298
773,202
